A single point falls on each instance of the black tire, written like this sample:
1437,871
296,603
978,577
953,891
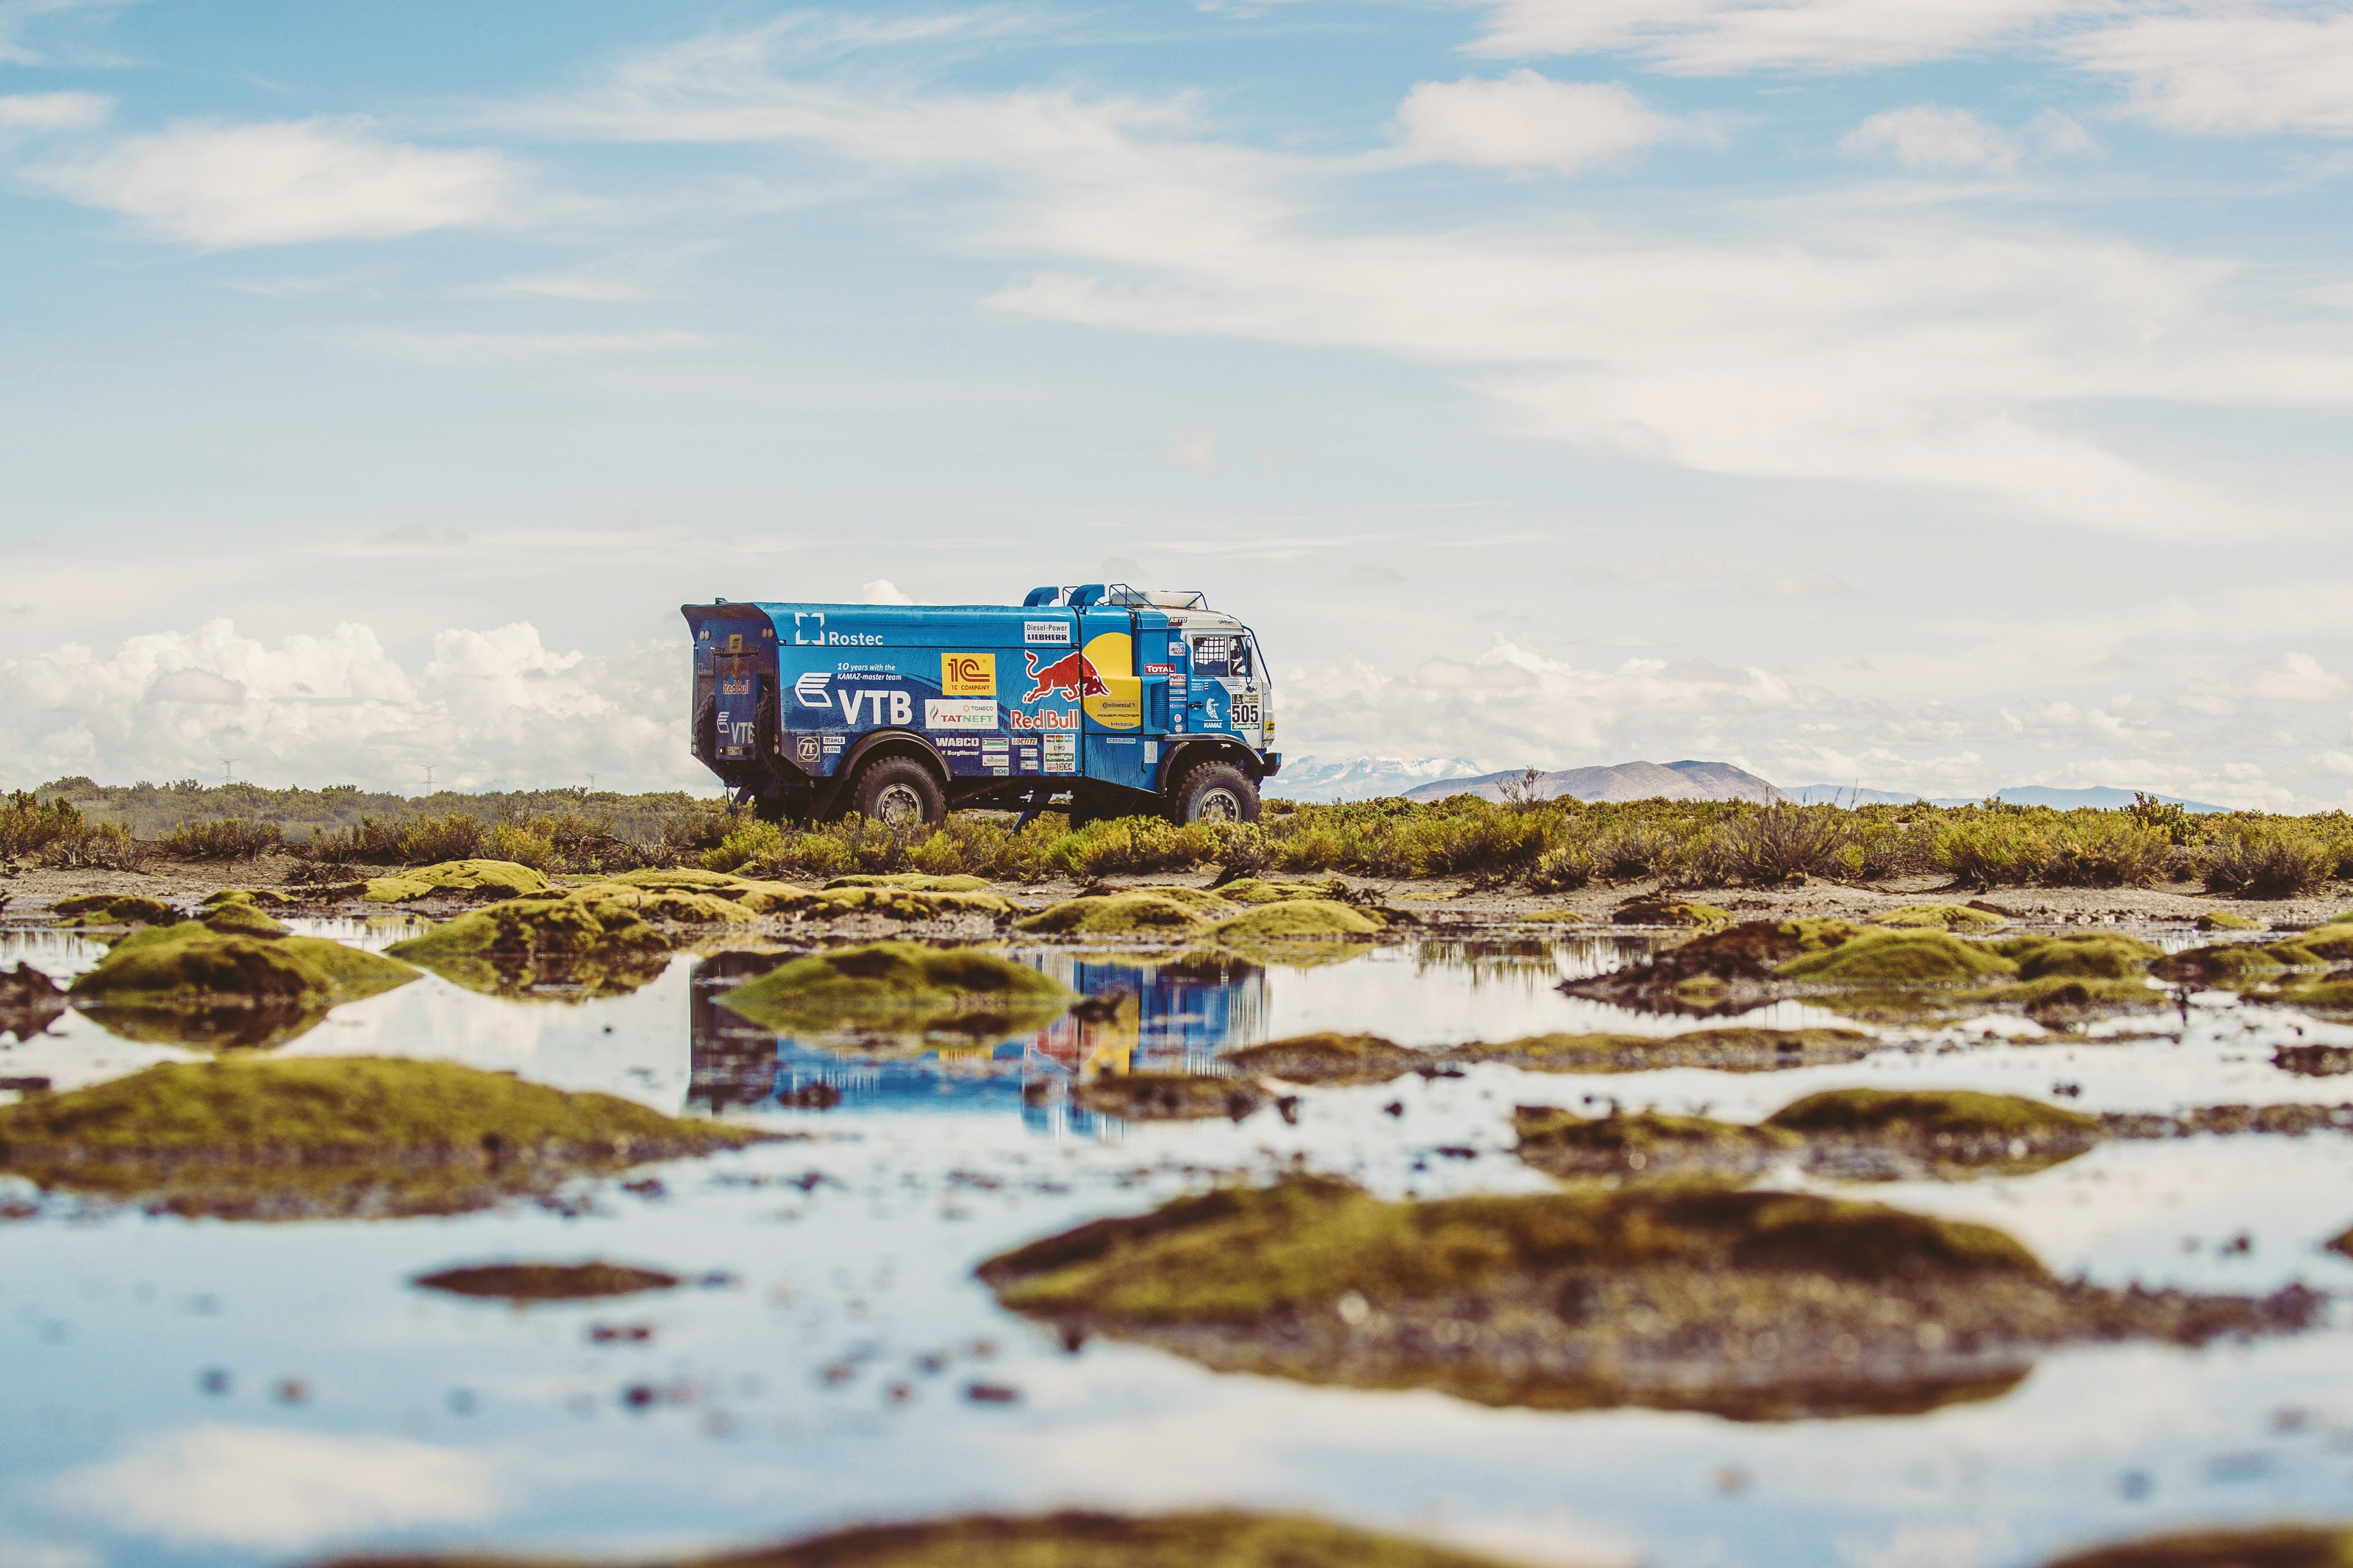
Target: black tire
706,730
1215,792
898,790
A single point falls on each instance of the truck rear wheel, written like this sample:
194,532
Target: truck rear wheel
900,792
1216,792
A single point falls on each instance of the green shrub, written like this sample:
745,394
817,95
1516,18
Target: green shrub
2105,849
1783,842
228,840
1991,850
29,826
2270,860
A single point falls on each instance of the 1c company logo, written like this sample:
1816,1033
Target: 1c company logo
967,674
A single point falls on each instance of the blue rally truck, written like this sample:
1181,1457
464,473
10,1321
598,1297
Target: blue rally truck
1105,700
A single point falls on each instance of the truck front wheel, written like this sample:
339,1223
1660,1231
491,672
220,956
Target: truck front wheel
900,792
1216,792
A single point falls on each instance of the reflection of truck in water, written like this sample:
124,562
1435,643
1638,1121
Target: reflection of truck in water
1112,700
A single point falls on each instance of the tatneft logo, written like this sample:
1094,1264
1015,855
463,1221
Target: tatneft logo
967,674
959,713
1045,631
810,689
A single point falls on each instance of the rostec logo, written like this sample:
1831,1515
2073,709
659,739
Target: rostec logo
967,674
810,689
1072,675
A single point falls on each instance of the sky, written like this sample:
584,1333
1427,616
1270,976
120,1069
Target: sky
1934,394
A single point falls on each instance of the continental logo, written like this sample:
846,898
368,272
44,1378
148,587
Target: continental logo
967,674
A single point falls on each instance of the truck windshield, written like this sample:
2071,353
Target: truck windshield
1238,657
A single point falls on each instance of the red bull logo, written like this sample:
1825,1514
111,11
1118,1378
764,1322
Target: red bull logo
1072,675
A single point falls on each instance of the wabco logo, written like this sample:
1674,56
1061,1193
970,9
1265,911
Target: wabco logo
810,689
967,674
1072,675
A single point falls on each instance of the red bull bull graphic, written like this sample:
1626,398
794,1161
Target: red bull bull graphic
1073,676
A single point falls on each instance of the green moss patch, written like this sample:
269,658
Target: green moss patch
913,881
1261,891
1330,1058
1902,957
1552,917
2229,920
1939,917
1721,1050
900,988
1888,1134
2064,999
114,909
296,1137
1132,911
2331,944
1668,912
2263,1546
2320,995
1169,1095
259,898
1298,920
1209,1540
2093,955
547,1281
587,940
2220,964
1646,1143
241,919
460,879
1762,1305
1724,970
908,905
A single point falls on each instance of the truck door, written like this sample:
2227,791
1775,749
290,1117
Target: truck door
1227,689
1114,701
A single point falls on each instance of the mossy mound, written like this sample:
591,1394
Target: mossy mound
259,898
1218,1539
1330,1058
460,879
2320,995
908,905
2228,919
2263,1546
1718,1050
1169,1095
1759,1305
761,897
901,988
2093,955
2220,964
241,919
1298,920
296,1137
547,1281
1724,970
1899,957
1878,1134
1552,917
1939,917
114,909
587,940
1645,1143
2331,944
1131,911
193,966
1261,891
2063,999
1668,912
912,881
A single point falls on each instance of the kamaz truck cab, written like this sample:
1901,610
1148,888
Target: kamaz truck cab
1101,699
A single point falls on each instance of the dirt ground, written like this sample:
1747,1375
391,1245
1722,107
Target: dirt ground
1440,902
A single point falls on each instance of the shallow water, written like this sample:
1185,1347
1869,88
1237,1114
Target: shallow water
199,1391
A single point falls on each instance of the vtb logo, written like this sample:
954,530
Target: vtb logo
969,673
1072,675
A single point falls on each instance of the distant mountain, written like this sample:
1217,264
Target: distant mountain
1362,778
1627,781
2097,795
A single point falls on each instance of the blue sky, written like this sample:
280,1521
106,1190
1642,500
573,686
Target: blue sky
1919,393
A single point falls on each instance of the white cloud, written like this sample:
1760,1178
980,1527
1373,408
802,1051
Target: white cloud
54,111
511,348
226,186
1714,36
1526,122
1193,448
1932,136
883,591
2236,70
1815,582
488,708
266,1489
